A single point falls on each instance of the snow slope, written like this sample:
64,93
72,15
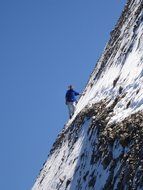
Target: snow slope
124,67
101,146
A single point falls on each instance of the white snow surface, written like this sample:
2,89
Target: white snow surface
125,66
129,73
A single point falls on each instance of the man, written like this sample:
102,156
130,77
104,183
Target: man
71,100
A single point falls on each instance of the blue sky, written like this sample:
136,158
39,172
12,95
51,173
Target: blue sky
44,46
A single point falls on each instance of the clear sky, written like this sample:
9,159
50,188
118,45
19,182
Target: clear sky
44,46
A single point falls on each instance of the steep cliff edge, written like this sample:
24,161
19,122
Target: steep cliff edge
101,147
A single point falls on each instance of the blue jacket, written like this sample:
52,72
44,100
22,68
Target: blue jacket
71,95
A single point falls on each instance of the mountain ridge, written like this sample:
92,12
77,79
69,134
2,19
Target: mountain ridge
101,146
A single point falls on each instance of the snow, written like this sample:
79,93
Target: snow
130,74
102,176
60,170
117,150
125,66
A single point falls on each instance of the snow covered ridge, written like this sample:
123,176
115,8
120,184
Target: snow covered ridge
101,147
120,68
91,155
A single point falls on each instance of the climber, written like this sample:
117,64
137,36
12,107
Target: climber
71,100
